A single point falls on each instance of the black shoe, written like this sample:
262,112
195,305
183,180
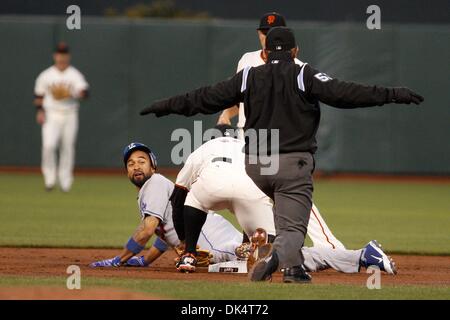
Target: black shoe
49,189
296,274
263,268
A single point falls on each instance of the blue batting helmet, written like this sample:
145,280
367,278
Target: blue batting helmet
129,149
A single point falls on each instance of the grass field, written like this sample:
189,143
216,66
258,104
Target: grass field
169,289
102,212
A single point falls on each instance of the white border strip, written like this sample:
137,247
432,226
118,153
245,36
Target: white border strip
300,83
244,78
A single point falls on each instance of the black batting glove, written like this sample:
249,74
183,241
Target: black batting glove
404,95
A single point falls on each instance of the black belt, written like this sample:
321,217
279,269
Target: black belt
221,159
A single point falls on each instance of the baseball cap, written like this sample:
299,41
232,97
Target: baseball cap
280,39
129,149
270,20
62,47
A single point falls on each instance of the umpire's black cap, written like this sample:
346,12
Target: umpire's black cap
280,39
270,20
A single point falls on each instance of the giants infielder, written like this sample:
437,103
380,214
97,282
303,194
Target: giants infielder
57,92
218,235
318,231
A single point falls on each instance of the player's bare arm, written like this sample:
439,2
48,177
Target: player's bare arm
135,245
40,113
228,114
83,94
144,232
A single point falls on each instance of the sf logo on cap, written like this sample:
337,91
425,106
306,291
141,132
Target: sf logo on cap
270,19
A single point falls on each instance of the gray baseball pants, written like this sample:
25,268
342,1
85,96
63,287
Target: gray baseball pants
290,187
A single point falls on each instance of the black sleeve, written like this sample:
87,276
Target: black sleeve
177,200
205,100
342,94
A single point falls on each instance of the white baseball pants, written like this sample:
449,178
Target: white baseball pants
218,189
319,233
224,186
59,131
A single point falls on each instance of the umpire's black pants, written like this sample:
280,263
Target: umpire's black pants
291,189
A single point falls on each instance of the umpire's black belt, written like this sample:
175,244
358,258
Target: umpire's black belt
223,159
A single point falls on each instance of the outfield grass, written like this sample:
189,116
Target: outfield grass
404,217
176,289
102,212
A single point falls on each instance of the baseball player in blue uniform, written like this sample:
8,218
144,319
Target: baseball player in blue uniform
156,215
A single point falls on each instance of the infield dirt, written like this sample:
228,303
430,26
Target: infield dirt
42,262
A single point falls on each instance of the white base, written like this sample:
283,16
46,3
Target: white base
237,266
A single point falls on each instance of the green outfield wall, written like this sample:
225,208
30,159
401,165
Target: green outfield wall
130,63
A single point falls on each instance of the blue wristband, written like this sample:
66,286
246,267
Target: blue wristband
133,246
160,245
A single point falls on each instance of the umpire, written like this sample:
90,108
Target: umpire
282,98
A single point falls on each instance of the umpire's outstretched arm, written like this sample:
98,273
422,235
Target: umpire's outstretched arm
205,100
349,95
317,85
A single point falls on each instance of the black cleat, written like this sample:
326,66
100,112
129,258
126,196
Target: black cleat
263,268
296,274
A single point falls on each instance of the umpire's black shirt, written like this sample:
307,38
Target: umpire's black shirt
278,95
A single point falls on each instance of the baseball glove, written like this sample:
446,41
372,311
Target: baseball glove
60,91
179,249
260,237
245,250
203,256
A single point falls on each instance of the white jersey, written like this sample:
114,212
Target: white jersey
216,179
251,59
224,147
70,77
218,235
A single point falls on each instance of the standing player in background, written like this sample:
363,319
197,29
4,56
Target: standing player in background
57,91
318,231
